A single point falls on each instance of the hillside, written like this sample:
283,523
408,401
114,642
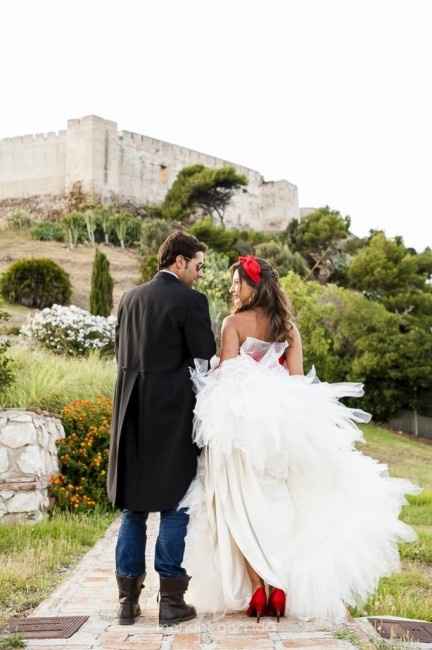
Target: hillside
124,266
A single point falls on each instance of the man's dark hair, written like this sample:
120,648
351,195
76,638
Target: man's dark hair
178,243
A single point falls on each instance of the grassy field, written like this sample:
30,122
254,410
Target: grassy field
124,266
408,593
48,381
34,558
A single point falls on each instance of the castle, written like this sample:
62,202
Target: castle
40,171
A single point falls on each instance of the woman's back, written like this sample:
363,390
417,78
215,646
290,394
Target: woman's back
252,323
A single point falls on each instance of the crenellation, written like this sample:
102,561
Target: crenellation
126,167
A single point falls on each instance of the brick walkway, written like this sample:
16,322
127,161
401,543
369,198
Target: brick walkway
90,590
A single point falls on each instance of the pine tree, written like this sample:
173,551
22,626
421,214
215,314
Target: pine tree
101,295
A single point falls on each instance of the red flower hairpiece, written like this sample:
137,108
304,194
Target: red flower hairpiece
251,267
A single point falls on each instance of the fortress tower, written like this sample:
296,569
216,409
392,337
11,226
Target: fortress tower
39,172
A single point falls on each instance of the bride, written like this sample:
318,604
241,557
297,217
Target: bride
286,515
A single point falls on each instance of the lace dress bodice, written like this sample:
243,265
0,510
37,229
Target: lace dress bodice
263,352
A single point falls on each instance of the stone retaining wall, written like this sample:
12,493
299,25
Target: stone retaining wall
28,457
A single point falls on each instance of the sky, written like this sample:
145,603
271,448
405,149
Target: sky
334,96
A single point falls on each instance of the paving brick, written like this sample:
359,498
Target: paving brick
243,642
310,644
186,642
90,589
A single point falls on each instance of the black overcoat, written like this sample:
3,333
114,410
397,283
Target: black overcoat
162,326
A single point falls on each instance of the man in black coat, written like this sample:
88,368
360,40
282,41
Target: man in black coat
162,326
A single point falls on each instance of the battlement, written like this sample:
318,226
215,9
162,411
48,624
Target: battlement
160,146
125,166
34,137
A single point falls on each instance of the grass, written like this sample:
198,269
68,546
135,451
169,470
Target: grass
346,634
409,592
124,265
33,558
48,381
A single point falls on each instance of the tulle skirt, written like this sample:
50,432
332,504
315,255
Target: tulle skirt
281,483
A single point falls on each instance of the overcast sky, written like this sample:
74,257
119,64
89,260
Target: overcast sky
332,95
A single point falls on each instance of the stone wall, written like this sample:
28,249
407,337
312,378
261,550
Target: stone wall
129,168
28,457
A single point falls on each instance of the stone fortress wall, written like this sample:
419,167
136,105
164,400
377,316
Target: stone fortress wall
39,171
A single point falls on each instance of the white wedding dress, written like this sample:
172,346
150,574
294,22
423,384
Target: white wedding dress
280,482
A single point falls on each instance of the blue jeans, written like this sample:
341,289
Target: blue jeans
170,544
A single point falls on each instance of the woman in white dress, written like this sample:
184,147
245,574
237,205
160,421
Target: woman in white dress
282,498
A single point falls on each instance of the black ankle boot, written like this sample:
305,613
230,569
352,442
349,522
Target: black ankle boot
129,593
172,607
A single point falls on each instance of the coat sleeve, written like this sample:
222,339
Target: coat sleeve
117,326
198,332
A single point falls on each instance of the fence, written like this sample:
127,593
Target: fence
412,422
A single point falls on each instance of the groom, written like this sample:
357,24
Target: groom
162,326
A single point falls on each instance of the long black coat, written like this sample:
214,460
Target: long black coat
162,326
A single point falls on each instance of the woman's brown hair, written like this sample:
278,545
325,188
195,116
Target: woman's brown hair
269,297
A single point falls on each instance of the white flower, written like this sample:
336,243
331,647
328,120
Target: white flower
71,329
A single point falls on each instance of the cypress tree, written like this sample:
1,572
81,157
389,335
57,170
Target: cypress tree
101,295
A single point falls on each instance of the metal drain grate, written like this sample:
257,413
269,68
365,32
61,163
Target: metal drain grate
405,630
51,627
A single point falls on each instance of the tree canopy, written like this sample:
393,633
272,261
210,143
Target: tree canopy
202,190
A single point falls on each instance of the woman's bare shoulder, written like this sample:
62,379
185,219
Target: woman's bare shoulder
294,333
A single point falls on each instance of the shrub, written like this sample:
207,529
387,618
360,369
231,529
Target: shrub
281,258
120,224
216,284
71,330
7,374
221,240
36,282
149,267
76,229
48,231
351,338
133,232
101,295
229,241
153,233
83,455
19,219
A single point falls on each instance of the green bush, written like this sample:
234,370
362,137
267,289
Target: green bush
351,338
75,227
83,455
221,240
133,232
281,258
229,241
216,284
36,282
148,267
19,219
48,231
101,294
153,233
7,374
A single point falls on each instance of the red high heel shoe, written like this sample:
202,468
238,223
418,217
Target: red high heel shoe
258,604
277,603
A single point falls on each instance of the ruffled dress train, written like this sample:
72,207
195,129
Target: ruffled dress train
281,483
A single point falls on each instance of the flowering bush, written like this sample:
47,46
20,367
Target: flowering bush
71,330
83,455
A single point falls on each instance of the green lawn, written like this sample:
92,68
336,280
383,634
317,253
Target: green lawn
408,593
33,558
